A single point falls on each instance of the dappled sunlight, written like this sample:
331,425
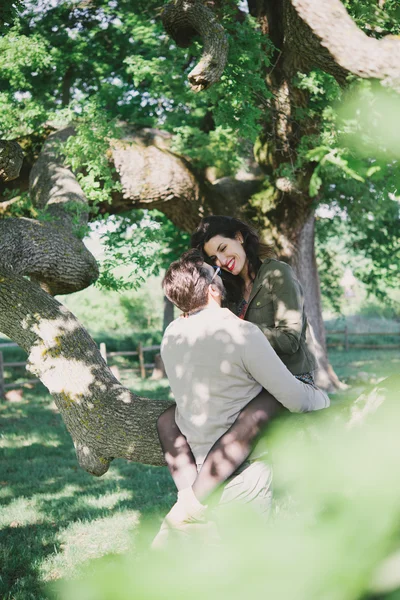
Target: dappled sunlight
23,441
81,542
21,512
108,500
123,394
49,357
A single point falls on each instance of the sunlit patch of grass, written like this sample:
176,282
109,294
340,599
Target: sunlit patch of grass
22,511
85,540
108,500
155,389
18,441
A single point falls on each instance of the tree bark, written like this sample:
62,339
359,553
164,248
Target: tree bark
305,266
48,253
105,420
11,157
348,46
287,213
152,176
183,20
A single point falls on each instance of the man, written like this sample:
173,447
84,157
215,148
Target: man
217,364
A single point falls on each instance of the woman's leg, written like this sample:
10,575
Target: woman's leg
177,452
232,449
226,455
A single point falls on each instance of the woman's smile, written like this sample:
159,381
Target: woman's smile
228,254
230,265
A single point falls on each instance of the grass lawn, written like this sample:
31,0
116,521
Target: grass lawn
367,366
55,517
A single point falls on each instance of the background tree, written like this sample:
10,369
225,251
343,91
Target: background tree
95,94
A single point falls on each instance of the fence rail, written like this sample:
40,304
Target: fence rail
347,344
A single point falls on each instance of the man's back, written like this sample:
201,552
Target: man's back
204,359
216,364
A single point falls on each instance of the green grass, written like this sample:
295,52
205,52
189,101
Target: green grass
373,364
55,517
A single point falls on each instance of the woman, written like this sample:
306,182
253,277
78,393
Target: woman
267,294
264,293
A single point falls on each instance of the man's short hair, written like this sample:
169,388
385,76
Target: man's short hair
187,280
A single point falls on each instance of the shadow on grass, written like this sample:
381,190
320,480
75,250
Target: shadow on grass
44,494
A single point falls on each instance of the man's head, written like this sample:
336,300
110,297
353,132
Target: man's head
191,284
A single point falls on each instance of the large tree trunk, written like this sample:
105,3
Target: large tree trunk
305,266
288,215
105,420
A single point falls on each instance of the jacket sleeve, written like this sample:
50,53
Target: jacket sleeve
265,366
288,304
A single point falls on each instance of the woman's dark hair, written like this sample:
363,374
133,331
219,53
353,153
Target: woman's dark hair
228,227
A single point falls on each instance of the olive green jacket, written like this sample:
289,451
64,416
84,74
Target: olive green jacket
276,306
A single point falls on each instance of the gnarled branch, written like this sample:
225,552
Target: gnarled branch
49,251
183,20
350,48
11,157
105,420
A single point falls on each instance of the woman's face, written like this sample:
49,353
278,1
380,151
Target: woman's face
228,254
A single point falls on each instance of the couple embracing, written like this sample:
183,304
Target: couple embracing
240,353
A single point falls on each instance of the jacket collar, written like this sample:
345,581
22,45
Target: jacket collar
256,288
258,283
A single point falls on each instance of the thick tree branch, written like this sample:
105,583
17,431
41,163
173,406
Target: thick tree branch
54,187
50,251
154,177
350,48
11,157
183,20
105,420
47,253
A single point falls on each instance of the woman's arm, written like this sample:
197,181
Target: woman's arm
288,310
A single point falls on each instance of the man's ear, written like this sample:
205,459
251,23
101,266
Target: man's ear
214,291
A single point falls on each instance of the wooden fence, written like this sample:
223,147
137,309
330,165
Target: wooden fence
347,344
103,351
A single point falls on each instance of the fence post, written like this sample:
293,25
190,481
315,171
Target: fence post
2,390
346,338
141,361
103,350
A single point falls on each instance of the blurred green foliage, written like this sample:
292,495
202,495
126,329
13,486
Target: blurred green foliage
332,537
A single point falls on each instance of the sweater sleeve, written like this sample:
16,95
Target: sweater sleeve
265,366
288,305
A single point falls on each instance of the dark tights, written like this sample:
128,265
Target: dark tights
225,456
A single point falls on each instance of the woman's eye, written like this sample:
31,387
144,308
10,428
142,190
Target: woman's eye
223,249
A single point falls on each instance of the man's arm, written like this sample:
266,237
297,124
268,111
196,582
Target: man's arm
266,367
